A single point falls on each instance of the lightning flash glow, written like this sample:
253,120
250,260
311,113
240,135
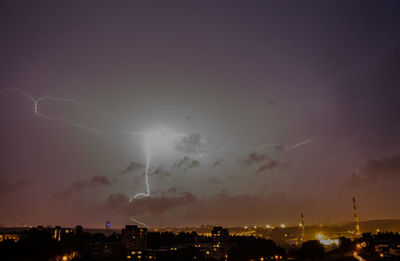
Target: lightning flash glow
150,139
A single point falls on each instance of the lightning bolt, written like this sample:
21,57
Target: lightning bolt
260,147
232,145
147,135
138,221
146,176
36,104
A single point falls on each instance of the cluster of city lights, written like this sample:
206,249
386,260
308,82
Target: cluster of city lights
266,226
326,241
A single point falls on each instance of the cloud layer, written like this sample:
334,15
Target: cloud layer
376,170
190,144
82,185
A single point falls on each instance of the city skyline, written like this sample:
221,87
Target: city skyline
182,114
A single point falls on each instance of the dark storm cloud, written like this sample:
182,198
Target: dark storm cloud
134,180
376,170
79,186
187,163
214,180
279,148
272,164
132,167
160,172
217,163
235,177
253,158
174,190
267,166
158,206
231,209
7,187
262,161
228,206
75,187
152,205
190,144
116,202
171,192
99,181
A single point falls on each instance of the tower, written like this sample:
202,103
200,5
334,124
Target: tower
356,220
302,227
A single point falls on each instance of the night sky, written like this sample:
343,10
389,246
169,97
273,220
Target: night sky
206,83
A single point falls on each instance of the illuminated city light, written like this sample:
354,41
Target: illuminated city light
329,242
356,256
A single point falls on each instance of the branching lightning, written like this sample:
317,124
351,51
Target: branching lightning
36,103
138,221
260,147
273,145
147,135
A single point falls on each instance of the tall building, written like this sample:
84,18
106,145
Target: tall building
134,238
57,233
220,236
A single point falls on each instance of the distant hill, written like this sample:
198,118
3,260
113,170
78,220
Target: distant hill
372,225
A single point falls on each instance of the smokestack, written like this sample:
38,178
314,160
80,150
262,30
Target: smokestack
356,220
